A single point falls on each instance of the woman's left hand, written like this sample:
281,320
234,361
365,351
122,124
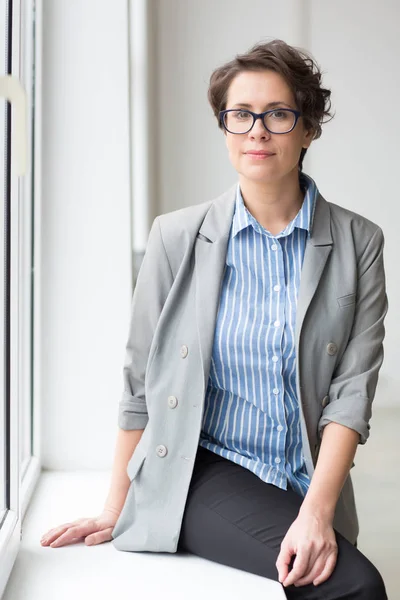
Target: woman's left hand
312,539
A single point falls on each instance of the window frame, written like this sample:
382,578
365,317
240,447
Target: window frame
24,372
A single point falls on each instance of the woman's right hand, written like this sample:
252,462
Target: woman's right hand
92,530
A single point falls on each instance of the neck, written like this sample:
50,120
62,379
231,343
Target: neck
273,204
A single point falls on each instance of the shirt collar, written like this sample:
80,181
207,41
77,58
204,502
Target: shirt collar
242,218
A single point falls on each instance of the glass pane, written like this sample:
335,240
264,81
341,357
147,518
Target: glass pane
26,283
4,272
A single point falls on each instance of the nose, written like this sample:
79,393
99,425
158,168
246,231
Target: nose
259,130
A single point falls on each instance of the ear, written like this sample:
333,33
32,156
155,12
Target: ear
308,138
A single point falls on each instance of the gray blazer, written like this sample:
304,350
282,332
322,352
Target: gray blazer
341,308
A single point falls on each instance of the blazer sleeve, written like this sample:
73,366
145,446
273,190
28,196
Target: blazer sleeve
355,378
153,283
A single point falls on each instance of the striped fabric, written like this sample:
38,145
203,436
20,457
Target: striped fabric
251,413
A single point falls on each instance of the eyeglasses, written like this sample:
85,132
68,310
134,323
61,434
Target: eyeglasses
282,120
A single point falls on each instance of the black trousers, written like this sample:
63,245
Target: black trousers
234,518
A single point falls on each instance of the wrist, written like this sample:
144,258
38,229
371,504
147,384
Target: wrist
112,510
319,510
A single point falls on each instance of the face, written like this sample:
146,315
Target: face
258,89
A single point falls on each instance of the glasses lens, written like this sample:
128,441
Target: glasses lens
278,121
238,121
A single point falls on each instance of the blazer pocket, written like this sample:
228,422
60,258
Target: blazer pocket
136,461
347,300
200,236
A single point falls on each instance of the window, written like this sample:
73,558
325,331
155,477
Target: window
19,462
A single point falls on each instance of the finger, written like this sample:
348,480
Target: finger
72,534
99,537
283,561
300,567
57,531
314,572
63,541
317,568
78,532
54,533
328,570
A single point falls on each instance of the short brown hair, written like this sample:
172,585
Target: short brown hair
295,65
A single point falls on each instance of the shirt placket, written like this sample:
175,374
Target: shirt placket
279,288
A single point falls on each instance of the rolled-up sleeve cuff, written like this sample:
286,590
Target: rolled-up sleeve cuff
132,413
351,412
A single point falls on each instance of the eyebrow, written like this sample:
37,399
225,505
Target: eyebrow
270,105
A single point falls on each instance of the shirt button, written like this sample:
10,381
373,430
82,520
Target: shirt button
184,351
277,460
274,247
276,324
279,428
276,391
277,288
275,358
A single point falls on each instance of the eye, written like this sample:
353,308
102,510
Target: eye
280,115
242,114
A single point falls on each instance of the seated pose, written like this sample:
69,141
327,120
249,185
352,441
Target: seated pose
253,353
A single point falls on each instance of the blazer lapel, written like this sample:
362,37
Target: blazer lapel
317,251
210,255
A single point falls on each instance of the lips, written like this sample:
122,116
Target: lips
260,153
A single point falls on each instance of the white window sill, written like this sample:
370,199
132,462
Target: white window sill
101,571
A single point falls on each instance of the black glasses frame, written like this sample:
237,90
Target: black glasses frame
261,116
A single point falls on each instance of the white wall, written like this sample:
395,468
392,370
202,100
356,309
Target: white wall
86,247
86,261
356,161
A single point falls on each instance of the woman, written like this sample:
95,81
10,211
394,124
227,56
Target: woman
253,356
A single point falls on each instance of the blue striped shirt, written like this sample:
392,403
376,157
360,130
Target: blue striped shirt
251,414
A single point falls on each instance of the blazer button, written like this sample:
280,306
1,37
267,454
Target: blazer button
161,451
184,351
172,401
331,348
325,401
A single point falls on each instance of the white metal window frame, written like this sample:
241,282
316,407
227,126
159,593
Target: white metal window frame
3,190
32,466
23,478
